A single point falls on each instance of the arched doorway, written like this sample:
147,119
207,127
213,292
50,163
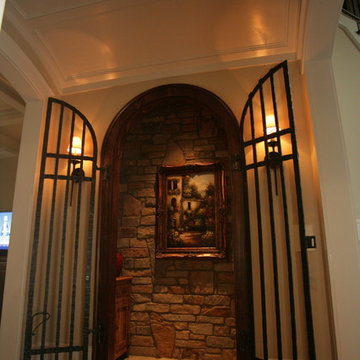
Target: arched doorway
172,125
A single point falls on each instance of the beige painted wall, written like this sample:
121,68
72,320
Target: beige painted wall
233,86
346,62
8,168
331,168
17,269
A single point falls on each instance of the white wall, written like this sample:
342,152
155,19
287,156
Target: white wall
27,81
12,321
335,200
346,63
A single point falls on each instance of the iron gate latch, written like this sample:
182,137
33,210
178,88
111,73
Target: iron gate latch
236,161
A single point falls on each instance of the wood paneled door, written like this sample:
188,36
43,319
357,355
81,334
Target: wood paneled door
122,315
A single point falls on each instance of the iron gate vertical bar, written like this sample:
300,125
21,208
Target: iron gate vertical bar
63,240
287,230
354,7
76,249
272,228
304,260
29,323
260,237
51,230
89,251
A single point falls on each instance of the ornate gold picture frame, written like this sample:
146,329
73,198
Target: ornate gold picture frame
191,213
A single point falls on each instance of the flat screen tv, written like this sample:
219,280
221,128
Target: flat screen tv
5,228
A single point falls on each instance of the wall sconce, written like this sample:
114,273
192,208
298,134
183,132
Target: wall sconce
273,156
76,147
77,173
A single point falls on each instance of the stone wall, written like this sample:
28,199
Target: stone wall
182,308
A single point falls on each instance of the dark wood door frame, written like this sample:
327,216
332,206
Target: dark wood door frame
109,207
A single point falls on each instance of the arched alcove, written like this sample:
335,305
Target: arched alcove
171,125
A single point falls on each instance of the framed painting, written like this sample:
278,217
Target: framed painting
191,213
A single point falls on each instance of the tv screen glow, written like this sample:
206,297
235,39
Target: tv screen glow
5,227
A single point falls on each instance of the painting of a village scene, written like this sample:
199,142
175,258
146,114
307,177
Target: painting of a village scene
190,210
191,218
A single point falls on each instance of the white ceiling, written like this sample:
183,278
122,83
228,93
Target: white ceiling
85,44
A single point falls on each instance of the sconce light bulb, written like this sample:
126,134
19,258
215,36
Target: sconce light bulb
270,124
75,146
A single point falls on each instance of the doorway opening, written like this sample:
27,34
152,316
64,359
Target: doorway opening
12,108
185,305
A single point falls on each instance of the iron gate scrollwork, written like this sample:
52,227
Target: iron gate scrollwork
57,323
275,217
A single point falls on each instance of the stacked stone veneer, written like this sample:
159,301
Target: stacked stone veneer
182,308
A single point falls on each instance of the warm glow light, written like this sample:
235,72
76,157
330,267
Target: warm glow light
76,146
270,124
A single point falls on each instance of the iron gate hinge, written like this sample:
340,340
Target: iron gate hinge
105,172
99,332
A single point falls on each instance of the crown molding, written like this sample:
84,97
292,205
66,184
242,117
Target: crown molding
49,59
349,27
13,59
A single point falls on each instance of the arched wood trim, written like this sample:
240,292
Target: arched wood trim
109,204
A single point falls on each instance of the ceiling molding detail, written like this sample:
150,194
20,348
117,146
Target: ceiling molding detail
30,9
14,55
88,44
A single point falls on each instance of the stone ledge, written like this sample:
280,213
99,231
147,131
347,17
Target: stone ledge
192,344
159,308
210,319
194,299
183,335
175,317
142,289
217,300
168,298
220,342
201,329
216,311
185,309
143,351
142,340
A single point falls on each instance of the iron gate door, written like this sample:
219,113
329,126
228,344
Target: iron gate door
57,324
275,220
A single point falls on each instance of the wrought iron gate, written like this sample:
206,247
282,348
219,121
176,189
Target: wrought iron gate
276,232
57,324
